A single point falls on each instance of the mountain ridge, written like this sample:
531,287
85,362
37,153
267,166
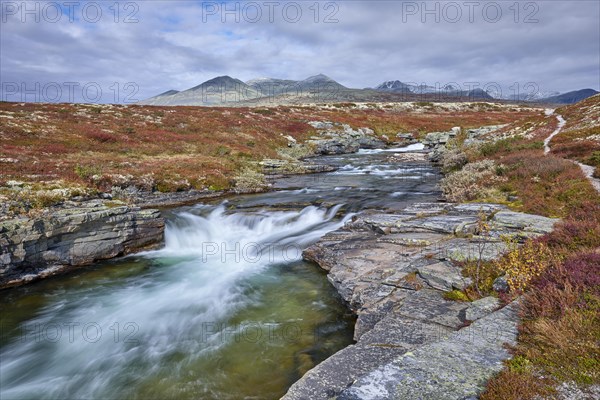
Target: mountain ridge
319,88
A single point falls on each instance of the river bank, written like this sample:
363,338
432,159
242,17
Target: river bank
253,280
411,342
77,233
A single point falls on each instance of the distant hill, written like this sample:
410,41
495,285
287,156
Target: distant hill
272,86
219,90
448,90
570,97
168,93
394,86
225,90
320,82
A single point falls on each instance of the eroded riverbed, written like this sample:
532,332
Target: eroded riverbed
226,310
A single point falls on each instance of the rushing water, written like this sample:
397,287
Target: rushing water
226,310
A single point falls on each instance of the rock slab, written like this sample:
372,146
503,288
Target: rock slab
393,271
35,248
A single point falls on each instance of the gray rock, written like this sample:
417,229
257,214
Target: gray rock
71,237
334,139
393,269
482,307
480,135
456,367
526,222
391,337
500,284
443,276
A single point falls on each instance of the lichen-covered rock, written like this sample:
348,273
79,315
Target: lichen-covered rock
337,138
526,222
393,270
35,248
500,284
456,367
482,307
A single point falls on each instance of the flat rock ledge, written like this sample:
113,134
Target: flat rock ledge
411,343
32,249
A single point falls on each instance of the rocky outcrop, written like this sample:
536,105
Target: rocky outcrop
455,367
433,139
33,248
436,141
481,135
275,167
337,138
392,270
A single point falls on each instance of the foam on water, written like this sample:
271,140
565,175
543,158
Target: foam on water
208,255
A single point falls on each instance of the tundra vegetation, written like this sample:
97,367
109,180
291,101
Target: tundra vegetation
556,276
53,152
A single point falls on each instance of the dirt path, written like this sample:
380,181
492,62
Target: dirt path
588,170
561,123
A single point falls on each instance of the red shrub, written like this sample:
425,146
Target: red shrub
101,137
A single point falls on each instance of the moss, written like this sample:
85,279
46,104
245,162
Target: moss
456,295
519,364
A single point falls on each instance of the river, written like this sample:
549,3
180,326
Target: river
227,309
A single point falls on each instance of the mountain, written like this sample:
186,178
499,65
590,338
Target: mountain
478,94
272,86
319,82
224,90
569,97
528,96
447,90
160,98
394,86
216,91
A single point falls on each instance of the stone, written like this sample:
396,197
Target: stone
500,284
393,270
443,276
482,307
455,367
334,139
408,157
526,222
71,237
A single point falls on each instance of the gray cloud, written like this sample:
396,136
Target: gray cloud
175,44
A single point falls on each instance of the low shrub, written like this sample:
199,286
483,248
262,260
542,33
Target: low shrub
453,160
513,385
249,181
579,231
102,137
86,172
523,264
577,150
594,159
470,182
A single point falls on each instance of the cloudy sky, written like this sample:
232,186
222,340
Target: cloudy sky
137,49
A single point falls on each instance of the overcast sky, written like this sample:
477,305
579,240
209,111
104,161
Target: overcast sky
161,45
